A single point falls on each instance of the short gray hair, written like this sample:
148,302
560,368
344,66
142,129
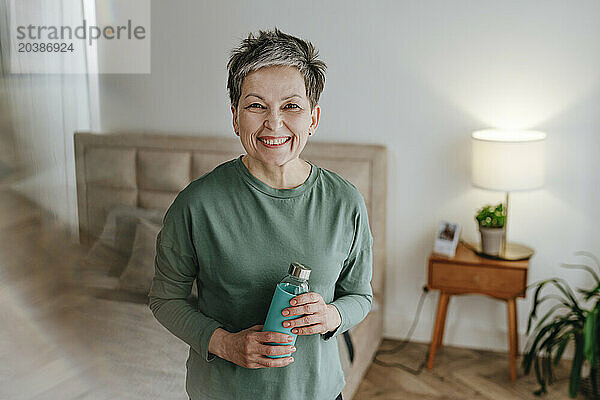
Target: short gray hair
275,48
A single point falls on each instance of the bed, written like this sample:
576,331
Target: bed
125,183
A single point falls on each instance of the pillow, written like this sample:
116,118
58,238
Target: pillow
139,271
118,233
94,269
138,274
125,224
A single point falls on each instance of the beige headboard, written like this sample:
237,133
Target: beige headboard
149,170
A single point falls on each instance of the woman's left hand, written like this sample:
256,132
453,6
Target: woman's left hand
318,316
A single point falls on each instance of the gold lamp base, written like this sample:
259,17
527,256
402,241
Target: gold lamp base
513,252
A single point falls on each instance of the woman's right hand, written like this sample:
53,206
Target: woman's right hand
248,348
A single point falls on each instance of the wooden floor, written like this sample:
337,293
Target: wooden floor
41,359
458,374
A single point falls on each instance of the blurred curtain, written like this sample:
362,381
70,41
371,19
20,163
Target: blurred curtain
39,114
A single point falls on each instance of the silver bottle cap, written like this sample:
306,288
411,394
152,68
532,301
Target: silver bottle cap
298,270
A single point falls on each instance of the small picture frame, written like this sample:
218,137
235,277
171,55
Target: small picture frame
446,238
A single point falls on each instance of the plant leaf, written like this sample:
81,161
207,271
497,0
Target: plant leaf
533,350
547,369
539,377
548,347
591,336
589,255
536,302
563,286
540,333
583,267
589,293
549,313
556,297
562,346
578,358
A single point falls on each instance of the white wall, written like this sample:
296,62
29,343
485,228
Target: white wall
418,77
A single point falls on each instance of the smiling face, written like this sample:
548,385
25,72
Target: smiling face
273,117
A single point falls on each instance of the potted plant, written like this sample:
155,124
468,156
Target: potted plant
491,221
577,322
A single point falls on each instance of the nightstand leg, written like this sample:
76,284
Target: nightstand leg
438,331
443,322
513,338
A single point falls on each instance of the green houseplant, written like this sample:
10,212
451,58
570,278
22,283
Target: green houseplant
569,319
491,221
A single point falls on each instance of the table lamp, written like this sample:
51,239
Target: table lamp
508,161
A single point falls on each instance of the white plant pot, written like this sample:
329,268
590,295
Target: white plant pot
491,240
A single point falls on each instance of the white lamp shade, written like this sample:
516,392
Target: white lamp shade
508,160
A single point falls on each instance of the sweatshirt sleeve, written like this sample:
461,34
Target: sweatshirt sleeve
353,293
176,268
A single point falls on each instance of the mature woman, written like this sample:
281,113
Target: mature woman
236,229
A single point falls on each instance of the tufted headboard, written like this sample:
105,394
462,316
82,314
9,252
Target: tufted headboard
149,170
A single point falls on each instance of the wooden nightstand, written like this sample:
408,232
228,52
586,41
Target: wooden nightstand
467,272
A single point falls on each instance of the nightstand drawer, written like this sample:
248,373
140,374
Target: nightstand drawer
503,282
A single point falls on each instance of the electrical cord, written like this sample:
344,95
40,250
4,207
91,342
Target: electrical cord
405,342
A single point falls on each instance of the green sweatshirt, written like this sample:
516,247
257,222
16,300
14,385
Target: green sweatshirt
236,237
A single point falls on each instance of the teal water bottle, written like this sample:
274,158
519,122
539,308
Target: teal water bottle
295,283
